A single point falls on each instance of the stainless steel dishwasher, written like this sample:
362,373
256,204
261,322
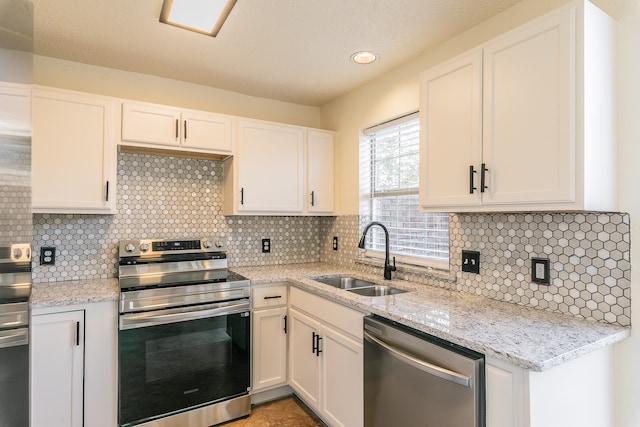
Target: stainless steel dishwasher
413,379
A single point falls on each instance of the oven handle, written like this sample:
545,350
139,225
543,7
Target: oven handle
182,314
14,338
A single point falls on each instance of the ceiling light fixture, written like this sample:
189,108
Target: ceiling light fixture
201,16
364,57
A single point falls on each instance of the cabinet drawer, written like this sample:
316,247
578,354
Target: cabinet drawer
331,313
269,296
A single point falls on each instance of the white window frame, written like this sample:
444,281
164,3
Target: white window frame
367,197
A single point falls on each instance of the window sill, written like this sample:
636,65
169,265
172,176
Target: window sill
408,268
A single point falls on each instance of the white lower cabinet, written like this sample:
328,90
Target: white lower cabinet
269,335
57,369
326,358
575,393
342,378
304,361
74,365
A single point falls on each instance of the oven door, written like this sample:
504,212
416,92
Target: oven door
14,377
176,360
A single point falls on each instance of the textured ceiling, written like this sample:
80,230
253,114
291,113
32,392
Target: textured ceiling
290,50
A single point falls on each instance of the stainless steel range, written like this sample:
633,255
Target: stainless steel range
184,334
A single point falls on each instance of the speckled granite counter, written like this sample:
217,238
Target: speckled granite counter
528,338
53,294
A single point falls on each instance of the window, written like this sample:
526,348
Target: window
389,157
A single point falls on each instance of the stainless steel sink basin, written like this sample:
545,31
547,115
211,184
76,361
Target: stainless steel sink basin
344,282
358,286
377,291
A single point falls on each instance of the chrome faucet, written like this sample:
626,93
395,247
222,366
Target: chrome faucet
388,268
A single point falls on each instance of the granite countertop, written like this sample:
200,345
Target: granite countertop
526,337
55,294
529,338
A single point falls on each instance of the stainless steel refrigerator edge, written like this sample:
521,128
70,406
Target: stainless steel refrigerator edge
16,59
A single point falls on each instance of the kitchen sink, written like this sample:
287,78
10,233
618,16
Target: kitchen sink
358,286
344,282
376,291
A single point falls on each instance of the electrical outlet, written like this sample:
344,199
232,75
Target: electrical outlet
471,262
540,271
266,246
48,255
335,243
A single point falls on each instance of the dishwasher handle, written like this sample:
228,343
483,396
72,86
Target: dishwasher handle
429,368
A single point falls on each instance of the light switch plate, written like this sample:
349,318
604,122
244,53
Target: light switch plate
540,271
471,262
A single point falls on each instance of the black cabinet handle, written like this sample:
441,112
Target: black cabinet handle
285,323
313,198
106,192
77,333
483,173
177,129
273,297
242,196
313,342
472,171
185,130
318,351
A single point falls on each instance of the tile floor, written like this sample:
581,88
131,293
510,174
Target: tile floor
286,412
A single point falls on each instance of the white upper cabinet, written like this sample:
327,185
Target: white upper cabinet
268,169
73,152
526,121
158,126
279,169
451,131
320,171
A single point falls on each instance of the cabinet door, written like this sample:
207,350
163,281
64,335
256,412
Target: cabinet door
206,131
304,363
150,123
269,348
451,133
57,368
73,153
529,144
270,162
506,388
342,387
320,171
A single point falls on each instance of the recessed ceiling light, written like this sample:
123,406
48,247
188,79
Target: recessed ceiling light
364,57
201,16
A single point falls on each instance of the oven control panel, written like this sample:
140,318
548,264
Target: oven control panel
158,247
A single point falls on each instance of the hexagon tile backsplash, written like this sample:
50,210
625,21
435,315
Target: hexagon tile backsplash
169,197
589,255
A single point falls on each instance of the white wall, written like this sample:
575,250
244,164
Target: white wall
15,66
628,352
143,87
